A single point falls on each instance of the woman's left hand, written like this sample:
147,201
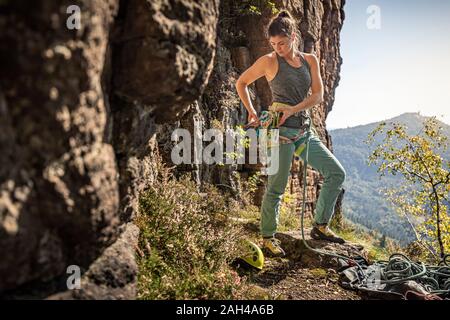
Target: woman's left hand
287,112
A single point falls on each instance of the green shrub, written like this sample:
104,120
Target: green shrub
255,7
186,242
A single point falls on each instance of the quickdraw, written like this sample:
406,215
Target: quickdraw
269,119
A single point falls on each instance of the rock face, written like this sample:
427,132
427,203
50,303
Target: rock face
59,183
166,52
83,112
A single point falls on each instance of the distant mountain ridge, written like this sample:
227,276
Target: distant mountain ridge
363,204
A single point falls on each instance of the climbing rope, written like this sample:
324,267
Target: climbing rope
399,268
351,261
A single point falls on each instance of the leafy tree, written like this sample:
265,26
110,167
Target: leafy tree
423,196
255,7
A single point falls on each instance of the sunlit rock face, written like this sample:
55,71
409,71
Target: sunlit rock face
84,111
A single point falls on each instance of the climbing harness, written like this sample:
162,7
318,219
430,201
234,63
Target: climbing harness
302,131
270,119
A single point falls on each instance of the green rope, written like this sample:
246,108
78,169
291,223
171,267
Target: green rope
305,165
399,268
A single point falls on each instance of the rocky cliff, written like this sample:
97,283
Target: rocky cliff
85,111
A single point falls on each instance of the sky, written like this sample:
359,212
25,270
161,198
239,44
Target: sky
396,59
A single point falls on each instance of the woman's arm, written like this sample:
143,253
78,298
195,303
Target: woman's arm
253,73
316,96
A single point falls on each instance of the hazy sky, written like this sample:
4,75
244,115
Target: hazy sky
404,66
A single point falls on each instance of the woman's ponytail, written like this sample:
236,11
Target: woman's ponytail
284,14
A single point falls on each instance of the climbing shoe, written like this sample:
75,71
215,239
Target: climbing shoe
322,232
272,245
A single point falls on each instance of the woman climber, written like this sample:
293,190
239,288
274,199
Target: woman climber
290,74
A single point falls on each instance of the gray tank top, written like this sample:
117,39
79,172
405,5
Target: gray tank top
291,86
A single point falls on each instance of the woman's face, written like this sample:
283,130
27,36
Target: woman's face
281,44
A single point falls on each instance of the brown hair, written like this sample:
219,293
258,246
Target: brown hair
283,25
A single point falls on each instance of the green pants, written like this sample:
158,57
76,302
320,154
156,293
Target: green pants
321,159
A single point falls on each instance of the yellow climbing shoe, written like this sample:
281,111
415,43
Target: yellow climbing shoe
272,245
323,232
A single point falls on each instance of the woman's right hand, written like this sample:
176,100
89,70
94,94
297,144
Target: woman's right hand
253,120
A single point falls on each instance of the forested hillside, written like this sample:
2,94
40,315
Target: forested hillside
364,204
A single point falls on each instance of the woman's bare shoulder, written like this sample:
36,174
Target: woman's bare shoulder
272,55
270,58
266,61
311,58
